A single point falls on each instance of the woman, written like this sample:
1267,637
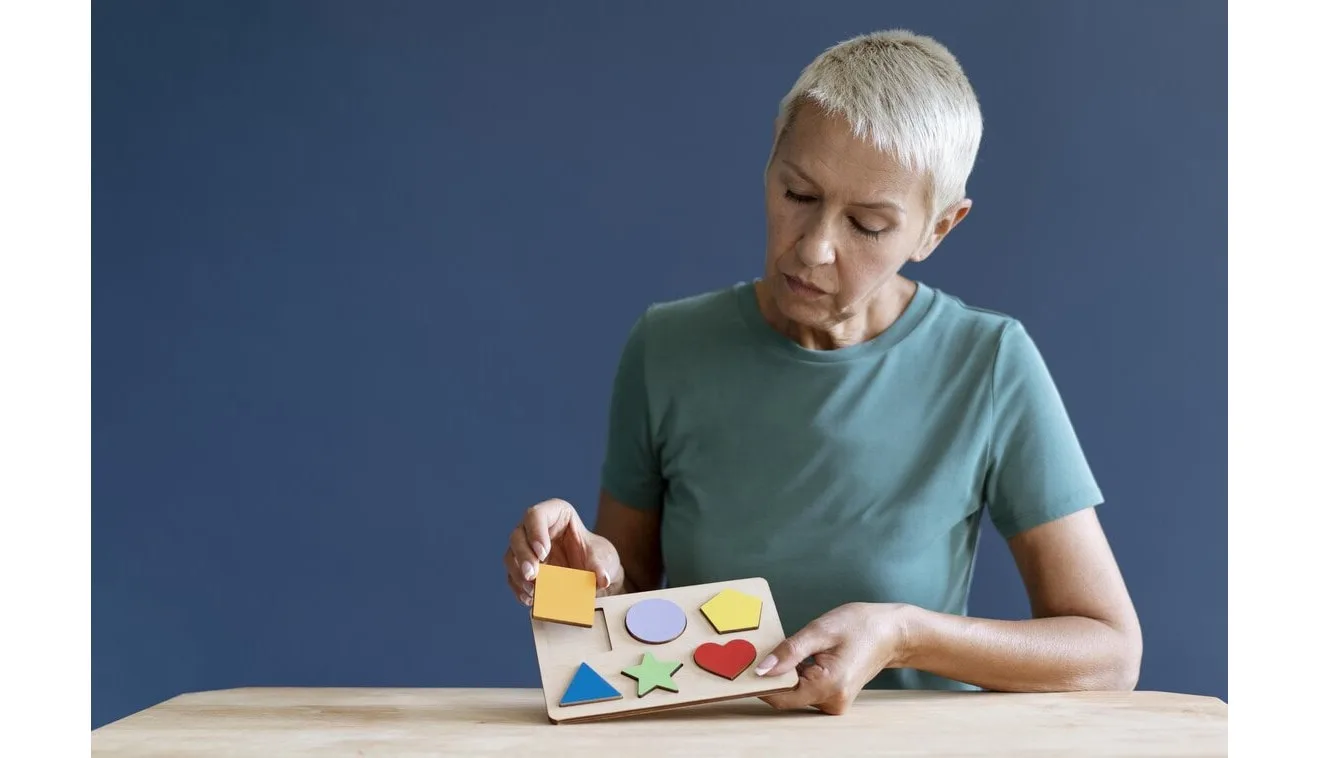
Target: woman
838,428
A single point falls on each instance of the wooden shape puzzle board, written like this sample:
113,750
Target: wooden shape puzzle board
607,648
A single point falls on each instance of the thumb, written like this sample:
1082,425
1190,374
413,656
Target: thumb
585,552
603,560
812,639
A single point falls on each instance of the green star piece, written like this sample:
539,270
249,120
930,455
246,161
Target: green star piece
651,674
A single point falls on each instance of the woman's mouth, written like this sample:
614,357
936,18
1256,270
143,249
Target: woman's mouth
799,287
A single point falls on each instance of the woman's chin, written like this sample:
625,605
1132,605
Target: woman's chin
808,313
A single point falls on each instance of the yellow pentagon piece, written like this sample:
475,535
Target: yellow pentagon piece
733,611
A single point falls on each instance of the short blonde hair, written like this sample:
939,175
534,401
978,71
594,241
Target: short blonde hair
907,95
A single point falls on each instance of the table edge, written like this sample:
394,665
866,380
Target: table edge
1220,703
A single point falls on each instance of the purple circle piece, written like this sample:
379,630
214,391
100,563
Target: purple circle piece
655,621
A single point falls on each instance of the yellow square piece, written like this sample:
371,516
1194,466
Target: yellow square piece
564,595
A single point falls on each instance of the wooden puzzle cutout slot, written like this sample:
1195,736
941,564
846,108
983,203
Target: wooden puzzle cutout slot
589,641
601,630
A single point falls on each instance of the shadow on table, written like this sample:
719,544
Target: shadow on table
732,709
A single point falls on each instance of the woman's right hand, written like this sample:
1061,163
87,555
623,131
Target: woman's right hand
552,532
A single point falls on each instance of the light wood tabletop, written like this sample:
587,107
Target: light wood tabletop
513,722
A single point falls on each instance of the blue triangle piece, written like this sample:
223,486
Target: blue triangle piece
588,687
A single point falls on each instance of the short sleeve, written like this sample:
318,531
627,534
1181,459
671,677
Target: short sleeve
631,471
1037,470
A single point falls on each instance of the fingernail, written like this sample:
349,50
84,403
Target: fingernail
541,551
528,570
606,574
526,600
766,665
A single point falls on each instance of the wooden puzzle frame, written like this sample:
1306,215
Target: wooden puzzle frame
608,648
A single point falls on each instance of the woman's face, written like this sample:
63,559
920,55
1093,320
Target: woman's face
842,220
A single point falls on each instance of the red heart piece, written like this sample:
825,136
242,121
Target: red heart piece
727,660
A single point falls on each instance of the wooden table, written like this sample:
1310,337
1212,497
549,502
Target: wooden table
512,723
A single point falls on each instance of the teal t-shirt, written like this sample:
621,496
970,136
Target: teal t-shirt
857,474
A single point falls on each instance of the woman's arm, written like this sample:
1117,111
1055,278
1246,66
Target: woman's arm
635,535
1084,634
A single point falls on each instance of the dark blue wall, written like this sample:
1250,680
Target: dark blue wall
362,271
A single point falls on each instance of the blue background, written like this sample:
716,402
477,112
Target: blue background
362,271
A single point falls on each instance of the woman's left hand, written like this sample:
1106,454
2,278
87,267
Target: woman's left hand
848,646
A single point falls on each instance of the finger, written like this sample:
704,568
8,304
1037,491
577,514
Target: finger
521,554
813,689
523,597
573,541
514,569
606,567
576,545
565,551
600,565
834,706
544,522
594,557
813,638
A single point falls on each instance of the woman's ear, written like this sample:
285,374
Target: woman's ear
945,224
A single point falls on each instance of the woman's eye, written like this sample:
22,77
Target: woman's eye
866,231
795,197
